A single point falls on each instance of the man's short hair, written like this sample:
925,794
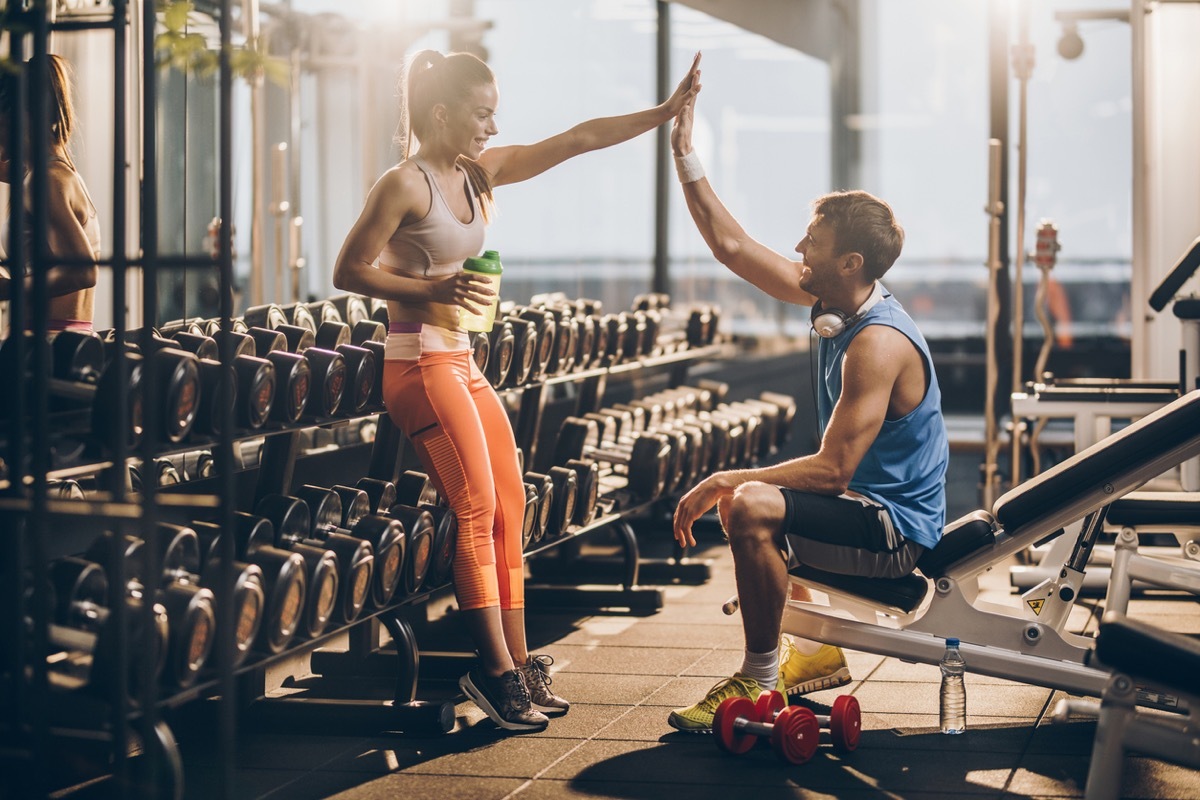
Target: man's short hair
864,224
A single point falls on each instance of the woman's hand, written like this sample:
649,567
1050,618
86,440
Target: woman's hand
463,289
681,130
687,89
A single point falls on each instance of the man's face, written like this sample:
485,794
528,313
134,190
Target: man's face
818,251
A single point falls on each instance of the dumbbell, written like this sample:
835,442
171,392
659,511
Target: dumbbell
81,628
348,384
587,480
546,326
250,606
381,494
310,383
416,490
364,515
685,449
352,558
379,310
352,308
189,606
290,526
562,499
562,358
529,522
193,325
418,525
501,346
162,470
793,731
212,327
344,522
178,373
525,350
647,457
64,489
285,579
81,378
543,487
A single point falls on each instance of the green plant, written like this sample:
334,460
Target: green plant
179,45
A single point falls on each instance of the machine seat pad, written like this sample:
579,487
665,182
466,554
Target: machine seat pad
1114,458
1156,508
960,539
902,594
1143,651
1188,308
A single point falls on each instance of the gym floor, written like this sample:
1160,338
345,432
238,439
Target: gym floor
624,673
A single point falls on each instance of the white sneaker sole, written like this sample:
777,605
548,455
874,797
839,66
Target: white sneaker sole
839,678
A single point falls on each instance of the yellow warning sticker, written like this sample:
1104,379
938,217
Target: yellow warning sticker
1036,605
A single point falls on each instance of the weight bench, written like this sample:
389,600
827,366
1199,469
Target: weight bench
1024,641
1152,657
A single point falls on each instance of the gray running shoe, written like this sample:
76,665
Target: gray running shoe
536,672
505,699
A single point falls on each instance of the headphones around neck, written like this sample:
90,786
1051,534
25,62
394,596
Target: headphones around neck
830,322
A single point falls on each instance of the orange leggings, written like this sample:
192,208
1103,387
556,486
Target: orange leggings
462,435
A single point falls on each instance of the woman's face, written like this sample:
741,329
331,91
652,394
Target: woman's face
471,123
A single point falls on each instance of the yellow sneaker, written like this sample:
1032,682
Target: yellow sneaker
801,674
699,718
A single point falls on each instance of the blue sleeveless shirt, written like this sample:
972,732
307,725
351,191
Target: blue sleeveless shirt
905,468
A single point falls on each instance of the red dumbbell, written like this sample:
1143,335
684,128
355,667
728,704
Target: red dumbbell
793,731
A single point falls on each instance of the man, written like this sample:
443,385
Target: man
871,500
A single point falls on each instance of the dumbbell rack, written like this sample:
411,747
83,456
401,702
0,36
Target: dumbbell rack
528,405
104,719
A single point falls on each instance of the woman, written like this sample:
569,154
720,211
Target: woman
422,219
73,229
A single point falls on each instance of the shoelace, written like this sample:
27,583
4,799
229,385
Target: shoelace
541,663
726,687
515,690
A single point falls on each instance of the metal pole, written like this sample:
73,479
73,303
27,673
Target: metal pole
995,211
662,177
227,721
1022,67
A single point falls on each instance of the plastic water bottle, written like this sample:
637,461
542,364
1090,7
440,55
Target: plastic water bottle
953,696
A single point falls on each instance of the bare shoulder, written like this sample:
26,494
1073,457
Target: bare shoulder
66,185
882,346
404,177
400,192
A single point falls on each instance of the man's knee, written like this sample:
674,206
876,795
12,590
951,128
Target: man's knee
755,511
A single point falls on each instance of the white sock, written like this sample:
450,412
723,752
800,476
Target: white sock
807,647
762,667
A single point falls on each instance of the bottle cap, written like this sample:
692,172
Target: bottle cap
485,265
952,642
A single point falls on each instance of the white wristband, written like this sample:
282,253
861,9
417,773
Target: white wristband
689,168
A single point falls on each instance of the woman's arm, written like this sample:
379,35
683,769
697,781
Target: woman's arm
516,163
390,201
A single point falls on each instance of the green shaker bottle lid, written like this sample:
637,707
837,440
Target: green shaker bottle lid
485,265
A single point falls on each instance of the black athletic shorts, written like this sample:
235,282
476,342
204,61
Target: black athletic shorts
846,535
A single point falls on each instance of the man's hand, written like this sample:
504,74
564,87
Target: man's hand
703,496
681,130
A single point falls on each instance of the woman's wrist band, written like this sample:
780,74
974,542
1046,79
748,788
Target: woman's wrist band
689,167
